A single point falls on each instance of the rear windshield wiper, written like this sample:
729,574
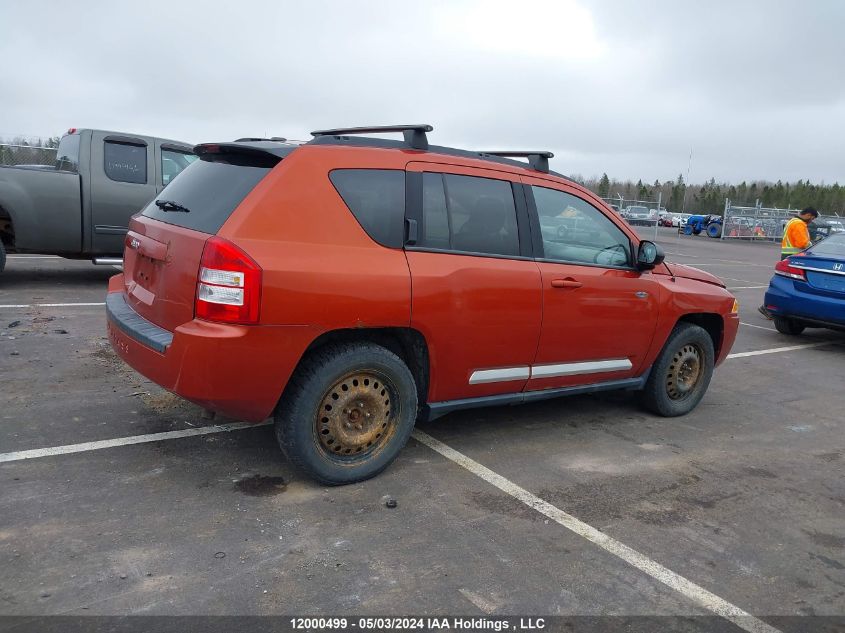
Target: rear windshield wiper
169,205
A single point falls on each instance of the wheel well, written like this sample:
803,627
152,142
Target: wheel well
712,323
407,343
7,231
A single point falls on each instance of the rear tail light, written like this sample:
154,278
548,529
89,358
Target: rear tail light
229,284
783,269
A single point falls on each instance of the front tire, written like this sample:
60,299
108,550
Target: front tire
2,256
681,374
788,326
714,230
347,412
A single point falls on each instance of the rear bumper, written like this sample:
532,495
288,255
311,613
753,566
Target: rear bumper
239,371
782,299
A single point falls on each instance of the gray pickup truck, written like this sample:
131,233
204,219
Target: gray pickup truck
80,208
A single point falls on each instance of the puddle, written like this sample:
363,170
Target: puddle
261,486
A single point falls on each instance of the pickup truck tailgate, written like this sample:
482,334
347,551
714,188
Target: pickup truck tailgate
160,266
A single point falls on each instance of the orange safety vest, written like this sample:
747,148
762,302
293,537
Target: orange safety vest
796,237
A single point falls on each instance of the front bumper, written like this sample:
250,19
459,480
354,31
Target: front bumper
729,332
239,371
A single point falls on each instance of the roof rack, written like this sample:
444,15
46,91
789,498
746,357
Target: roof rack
414,134
539,160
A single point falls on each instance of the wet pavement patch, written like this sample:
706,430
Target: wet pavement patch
261,486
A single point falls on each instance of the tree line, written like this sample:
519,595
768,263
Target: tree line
709,197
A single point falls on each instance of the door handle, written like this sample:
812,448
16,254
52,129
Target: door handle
569,282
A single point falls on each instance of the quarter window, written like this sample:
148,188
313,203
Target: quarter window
376,198
125,162
469,214
573,230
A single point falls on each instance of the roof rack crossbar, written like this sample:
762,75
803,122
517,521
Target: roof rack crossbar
414,134
538,160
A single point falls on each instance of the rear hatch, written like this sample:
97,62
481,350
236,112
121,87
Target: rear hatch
824,267
165,241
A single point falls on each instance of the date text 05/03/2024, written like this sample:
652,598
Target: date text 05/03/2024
418,623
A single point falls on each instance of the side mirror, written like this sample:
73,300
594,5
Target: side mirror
649,255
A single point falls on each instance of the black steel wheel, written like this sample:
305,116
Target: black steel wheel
346,412
681,374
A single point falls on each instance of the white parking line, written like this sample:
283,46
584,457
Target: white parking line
32,257
49,305
654,569
746,287
778,350
125,441
761,327
238,426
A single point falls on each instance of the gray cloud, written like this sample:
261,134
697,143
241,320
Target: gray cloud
755,88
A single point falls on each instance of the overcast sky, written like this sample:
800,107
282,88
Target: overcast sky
755,89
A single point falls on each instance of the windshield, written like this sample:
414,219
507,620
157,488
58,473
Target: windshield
833,246
67,155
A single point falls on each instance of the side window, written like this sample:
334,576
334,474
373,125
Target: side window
573,230
172,164
376,198
125,162
469,214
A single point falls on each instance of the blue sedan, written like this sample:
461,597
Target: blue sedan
808,289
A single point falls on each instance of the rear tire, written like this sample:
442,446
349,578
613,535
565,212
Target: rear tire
681,374
714,230
347,412
788,326
2,257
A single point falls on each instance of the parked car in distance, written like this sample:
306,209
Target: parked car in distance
836,226
640,216
668,220
680,219
235,295
808,289
80,208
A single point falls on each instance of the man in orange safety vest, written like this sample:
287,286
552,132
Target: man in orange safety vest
796,237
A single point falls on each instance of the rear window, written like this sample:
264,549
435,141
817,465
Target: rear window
67,155
210,190
834,246
376,198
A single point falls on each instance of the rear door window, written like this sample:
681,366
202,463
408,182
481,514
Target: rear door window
469,214
376,198
172,164
125,162
210,189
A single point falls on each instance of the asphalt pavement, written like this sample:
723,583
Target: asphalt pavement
527,510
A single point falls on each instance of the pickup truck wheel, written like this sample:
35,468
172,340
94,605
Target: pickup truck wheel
682,372
788,326
347,412
2,257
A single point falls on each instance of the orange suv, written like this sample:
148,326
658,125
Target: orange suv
352,285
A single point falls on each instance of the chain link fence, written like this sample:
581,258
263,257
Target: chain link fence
19,155
761,223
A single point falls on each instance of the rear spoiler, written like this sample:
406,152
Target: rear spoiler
257,149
